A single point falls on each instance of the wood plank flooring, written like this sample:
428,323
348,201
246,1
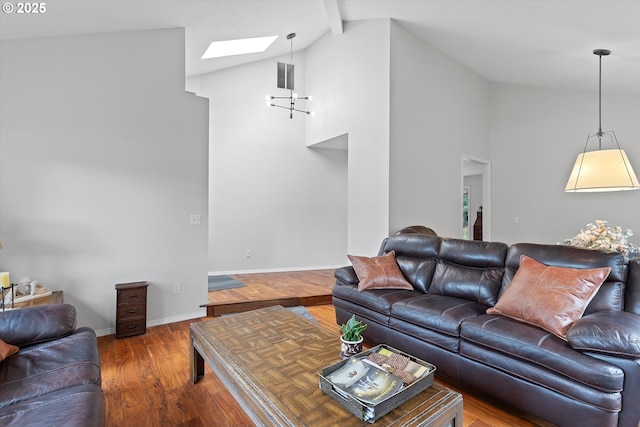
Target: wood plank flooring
146,378
287,289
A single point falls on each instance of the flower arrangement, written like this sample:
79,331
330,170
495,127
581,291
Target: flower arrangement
600,235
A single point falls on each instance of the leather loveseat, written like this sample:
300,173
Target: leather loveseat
54,379
587,376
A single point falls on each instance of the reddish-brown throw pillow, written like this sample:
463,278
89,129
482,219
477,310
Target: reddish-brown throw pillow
7,350
552,298
380,272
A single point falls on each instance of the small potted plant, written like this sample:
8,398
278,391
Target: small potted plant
351,338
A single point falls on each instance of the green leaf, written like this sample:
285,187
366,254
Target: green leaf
352,329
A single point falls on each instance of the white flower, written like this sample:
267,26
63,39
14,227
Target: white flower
599,235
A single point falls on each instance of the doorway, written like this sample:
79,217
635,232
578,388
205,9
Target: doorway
476,197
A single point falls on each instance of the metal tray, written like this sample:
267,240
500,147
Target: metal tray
369,412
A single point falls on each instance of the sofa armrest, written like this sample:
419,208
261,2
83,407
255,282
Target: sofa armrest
611,332
31,325
346,275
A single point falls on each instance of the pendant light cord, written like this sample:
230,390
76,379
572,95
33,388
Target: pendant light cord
600,134
600,105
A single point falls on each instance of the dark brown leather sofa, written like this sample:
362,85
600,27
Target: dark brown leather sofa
54,379
592,379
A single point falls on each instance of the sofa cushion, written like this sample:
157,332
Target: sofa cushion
632,289
379,300
81,406
46,367
470,269
416,256
549,297
554,359
31,325
609,332
440,313
610,296
379,272
7,350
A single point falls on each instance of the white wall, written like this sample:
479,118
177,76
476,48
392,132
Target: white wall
536,135
348,76
103,156
269,193
439,110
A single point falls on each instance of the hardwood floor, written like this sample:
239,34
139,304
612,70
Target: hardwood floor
146,378
287,289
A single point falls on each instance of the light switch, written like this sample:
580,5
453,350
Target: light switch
195,219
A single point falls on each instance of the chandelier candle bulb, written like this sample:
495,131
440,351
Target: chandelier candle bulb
5,282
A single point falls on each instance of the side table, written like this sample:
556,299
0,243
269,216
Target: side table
131,309
56,297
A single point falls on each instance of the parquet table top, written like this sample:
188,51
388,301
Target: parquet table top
269,360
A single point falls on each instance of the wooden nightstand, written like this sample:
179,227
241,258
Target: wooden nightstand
131,309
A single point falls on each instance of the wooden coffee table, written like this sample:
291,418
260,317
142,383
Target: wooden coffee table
269,360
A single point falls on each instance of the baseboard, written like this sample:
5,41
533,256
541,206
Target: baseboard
275,270
163,321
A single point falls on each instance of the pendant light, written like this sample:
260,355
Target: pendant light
602,169
285,80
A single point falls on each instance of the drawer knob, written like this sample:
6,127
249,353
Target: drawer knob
132,311
132,326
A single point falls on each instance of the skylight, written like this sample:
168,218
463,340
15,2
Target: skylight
238,47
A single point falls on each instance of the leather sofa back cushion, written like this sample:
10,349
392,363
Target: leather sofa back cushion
471,270
416,255
552,298
632,296
7,350
473,284
379,272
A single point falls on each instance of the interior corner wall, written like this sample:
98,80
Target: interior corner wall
103,157
274,203
348,75
537,134
439,111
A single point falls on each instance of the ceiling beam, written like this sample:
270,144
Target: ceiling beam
333,13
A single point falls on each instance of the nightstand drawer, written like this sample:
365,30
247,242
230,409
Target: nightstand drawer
129,312
132,296
133,327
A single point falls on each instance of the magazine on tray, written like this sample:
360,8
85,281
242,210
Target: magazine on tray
365,382
370,382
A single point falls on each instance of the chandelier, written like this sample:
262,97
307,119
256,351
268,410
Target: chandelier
285,80
602,169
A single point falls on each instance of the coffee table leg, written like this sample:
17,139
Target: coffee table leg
196,363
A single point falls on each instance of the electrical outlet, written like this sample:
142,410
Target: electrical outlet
176,288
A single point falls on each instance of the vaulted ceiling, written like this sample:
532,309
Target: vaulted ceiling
531,42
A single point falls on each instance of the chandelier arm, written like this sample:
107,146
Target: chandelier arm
280,106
